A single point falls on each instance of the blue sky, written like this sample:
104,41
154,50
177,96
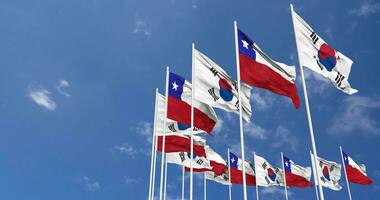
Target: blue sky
78,78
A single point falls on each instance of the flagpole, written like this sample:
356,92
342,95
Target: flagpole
314,175
164,134
314,148
151,185
192,121
283,169
204,186
345,172
240,110
229,175
257,187
183,183
154,165
166,176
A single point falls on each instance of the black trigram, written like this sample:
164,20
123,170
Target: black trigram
264,165
339,79
212,93
314,37
182,156
237,105
172,128
199,162
214,71
267,180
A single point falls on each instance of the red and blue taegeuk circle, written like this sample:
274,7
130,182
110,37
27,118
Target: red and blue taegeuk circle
326,173
326,56
271,174
225,90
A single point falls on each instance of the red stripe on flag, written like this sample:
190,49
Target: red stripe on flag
262,76
355,176
237,177
179,144
181,111
293,180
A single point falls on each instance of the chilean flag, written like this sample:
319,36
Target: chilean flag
295,175
181,143
355,173
237,173
259,70
179,105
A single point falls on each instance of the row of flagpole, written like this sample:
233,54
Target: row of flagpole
163,174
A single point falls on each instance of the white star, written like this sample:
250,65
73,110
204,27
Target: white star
286,164
245,44
175,86
232,160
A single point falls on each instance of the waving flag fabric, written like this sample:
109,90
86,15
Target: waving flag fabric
295,175
317,55
259,70
179,105
171,125
236,171
217,163
219,178
181,143
266,174
184,159
355,173
217,89
329,173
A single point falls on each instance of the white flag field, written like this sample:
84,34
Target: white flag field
328,173
172,127
217,89
184,159
315,54
266,174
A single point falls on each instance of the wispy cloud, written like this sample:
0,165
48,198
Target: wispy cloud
41,97
127,149
142,28
130,180
91,185
145,129
262,100
366,8
316,84
274,191
194,4
256,131
62,85
218,126
283,137
355,115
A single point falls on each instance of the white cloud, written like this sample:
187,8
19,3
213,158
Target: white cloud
329,33
218,126
366,8
130,180
355,115
62,84
41,97
127,149
142,28
262,100
316,84
145,129
91,185
194,4
256,131
283,137
275,191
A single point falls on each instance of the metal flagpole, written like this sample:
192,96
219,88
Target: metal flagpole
240,109
163,138
283,169
257,187
204,186
229,175
314,148
314,175
192,121
152,159
345,173
183,183
166,176
154,166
